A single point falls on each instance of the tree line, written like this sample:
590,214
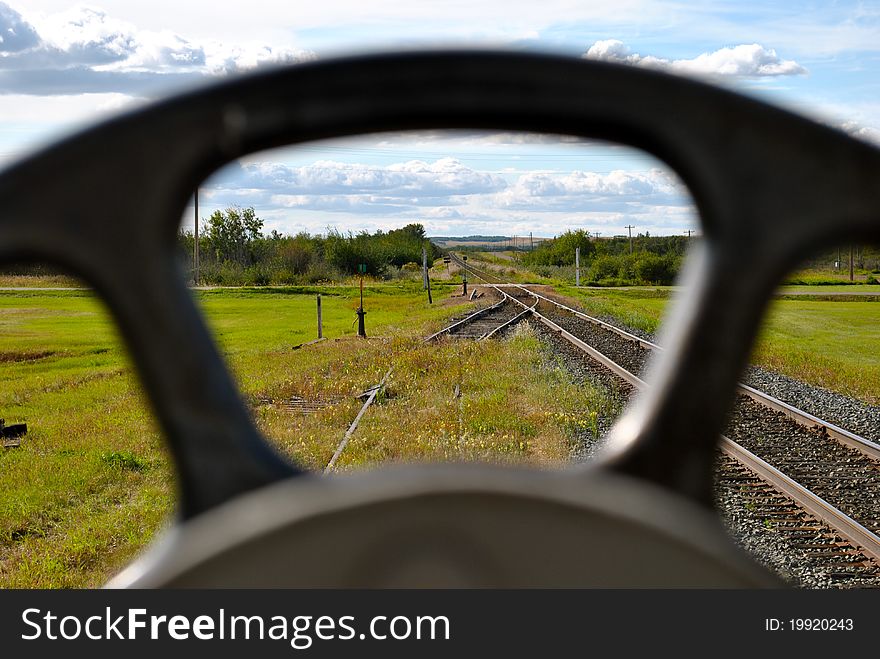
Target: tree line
611,261
233,250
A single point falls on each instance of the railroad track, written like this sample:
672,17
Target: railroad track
488,321
814,483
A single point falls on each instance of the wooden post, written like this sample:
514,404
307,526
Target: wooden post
577,266
320,324
430,300
362,330
424,267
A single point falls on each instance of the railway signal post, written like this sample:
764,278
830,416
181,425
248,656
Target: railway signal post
362,331
464,276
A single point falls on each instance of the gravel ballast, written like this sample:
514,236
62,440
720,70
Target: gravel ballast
844,411
842,476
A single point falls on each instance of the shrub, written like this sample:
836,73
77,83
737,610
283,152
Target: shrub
123,460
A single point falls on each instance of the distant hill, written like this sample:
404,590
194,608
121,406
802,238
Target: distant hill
497,242
471,239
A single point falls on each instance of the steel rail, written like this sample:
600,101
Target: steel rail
512,321
848,528
842,435
627,335
860,537
374,391
466,320
866,446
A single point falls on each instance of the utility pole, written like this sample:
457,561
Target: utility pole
851,263
689,232
196,242
531,242
837,262
577,266
630,228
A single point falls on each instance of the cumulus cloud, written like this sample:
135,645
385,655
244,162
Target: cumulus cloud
15,33
744,61
612,192
87,36
862,132
86,50
222,58
445,192
411,179
361,204
443,213
332,186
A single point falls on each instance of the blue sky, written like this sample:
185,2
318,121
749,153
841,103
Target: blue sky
65,65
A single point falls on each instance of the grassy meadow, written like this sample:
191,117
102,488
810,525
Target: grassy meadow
91,483
829,341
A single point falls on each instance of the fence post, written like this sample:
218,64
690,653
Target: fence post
320,325
577,266
424,267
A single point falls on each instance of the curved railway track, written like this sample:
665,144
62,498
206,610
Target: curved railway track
814,482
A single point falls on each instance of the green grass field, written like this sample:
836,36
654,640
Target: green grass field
831,289
829,342
640,308
832,344
91,483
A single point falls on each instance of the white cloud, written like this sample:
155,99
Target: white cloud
413,186
343,203
615,191
744,60
225,58
86,50
88,35
866,133
443,213
15,33
445,194
407,180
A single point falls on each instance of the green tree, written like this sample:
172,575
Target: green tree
232,233
560,251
